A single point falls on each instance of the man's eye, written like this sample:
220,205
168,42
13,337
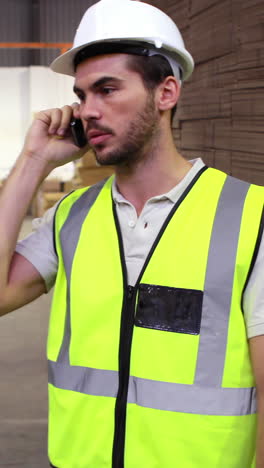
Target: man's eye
81,97
107,90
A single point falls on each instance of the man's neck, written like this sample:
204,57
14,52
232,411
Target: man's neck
151,177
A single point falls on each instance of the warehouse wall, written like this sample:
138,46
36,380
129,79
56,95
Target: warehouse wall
26,90
221,112
37,21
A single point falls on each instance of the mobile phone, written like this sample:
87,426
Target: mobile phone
78,134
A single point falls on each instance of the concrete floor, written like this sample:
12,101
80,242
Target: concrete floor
23,384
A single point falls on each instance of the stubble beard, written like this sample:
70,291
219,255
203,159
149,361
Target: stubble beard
137,141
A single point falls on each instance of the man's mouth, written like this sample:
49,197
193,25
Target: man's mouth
97,137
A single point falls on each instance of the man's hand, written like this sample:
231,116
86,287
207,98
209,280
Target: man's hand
48,144
49,138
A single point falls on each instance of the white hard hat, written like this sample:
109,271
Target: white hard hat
128,21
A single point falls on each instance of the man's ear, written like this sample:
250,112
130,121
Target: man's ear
168,93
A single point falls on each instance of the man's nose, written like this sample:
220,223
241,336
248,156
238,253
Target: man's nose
90,108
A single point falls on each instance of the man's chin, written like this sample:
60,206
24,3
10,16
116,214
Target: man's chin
104,159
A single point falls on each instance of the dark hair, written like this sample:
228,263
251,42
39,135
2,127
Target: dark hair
152,69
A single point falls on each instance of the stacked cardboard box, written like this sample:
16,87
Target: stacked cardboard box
90,172
48,194
87,172
220,113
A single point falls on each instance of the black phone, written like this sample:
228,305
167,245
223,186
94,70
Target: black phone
78,134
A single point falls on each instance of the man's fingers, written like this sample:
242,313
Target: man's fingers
60,120
55,121
76,110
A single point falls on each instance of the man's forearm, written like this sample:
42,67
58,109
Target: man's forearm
15,199
260,437
48,144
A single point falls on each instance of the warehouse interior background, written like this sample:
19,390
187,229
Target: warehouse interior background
221,110
219,118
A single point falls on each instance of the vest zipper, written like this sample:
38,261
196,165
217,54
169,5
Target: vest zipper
126,333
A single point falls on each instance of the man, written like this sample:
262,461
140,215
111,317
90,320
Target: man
158,271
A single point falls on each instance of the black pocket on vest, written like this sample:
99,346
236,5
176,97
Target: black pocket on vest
169,309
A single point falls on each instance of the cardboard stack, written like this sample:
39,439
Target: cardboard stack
220,113
50,192
90,172
87,172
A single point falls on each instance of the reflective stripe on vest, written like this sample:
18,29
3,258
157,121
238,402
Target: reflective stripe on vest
211,354
69,238
165,396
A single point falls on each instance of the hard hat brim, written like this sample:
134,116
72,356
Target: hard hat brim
65,63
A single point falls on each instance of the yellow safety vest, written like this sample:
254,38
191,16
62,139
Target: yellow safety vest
157,375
